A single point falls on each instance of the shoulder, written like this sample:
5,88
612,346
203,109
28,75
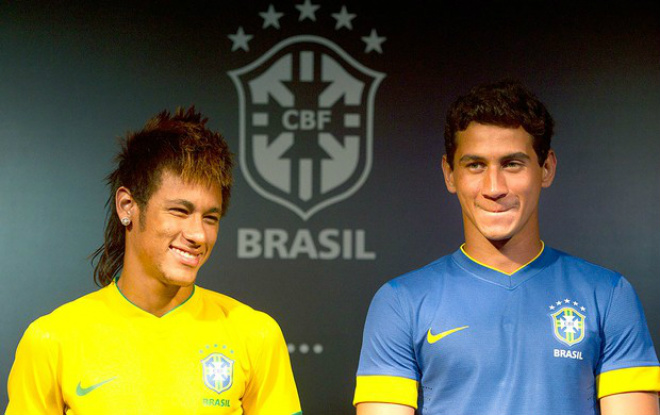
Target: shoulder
590,273
414,287
421,279
74,311
55,326
250,321
610,290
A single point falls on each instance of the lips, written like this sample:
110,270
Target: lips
495,209
186,257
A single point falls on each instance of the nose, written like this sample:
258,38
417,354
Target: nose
494,184
194,230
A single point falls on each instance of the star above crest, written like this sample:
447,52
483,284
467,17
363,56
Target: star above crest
240,40
271,17
373,42
344,19
307,10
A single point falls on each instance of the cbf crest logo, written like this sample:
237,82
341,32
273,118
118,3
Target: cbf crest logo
306,115
569,324
218,372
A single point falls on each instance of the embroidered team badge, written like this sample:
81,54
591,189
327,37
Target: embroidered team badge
218,372
569,324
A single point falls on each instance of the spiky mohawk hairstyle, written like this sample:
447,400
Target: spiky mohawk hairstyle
180,144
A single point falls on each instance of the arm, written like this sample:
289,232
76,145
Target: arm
377,408
271,388
33,385
628,369
386,381
638,403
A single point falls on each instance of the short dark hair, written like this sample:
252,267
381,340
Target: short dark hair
505,103
181,144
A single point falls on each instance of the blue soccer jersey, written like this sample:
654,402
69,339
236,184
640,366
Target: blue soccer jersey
460,338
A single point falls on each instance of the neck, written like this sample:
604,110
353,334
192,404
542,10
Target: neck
153,296
504,260
507,255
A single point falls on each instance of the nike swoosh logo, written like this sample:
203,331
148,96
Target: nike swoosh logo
432,338
80,391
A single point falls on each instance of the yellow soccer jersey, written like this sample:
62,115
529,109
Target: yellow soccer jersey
103,355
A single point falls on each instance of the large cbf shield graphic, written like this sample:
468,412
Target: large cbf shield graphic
306,123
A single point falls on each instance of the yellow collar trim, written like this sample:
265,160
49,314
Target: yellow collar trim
498,270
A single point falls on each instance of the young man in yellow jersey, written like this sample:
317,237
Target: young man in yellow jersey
151,341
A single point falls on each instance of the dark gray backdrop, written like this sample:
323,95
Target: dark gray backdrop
74,76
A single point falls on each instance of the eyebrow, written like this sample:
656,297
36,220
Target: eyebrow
191,206
513,156
517,156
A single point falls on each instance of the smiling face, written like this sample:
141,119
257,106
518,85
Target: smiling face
174,235
497,178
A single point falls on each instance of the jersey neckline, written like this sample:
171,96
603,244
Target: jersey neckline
493,275
131,308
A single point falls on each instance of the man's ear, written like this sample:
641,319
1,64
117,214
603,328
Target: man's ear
448,172
549,169
125,205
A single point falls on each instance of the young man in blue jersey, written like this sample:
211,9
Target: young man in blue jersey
505,325
151,341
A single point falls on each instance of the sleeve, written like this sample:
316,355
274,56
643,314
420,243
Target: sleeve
628,360
271,389
388,370
33,384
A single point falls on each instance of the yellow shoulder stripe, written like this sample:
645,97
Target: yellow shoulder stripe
633,379
386,389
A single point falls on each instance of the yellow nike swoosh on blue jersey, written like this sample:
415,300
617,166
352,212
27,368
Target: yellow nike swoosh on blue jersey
432,338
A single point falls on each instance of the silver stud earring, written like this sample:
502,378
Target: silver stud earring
126,221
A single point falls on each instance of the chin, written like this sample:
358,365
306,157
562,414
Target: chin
497,235
181,280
